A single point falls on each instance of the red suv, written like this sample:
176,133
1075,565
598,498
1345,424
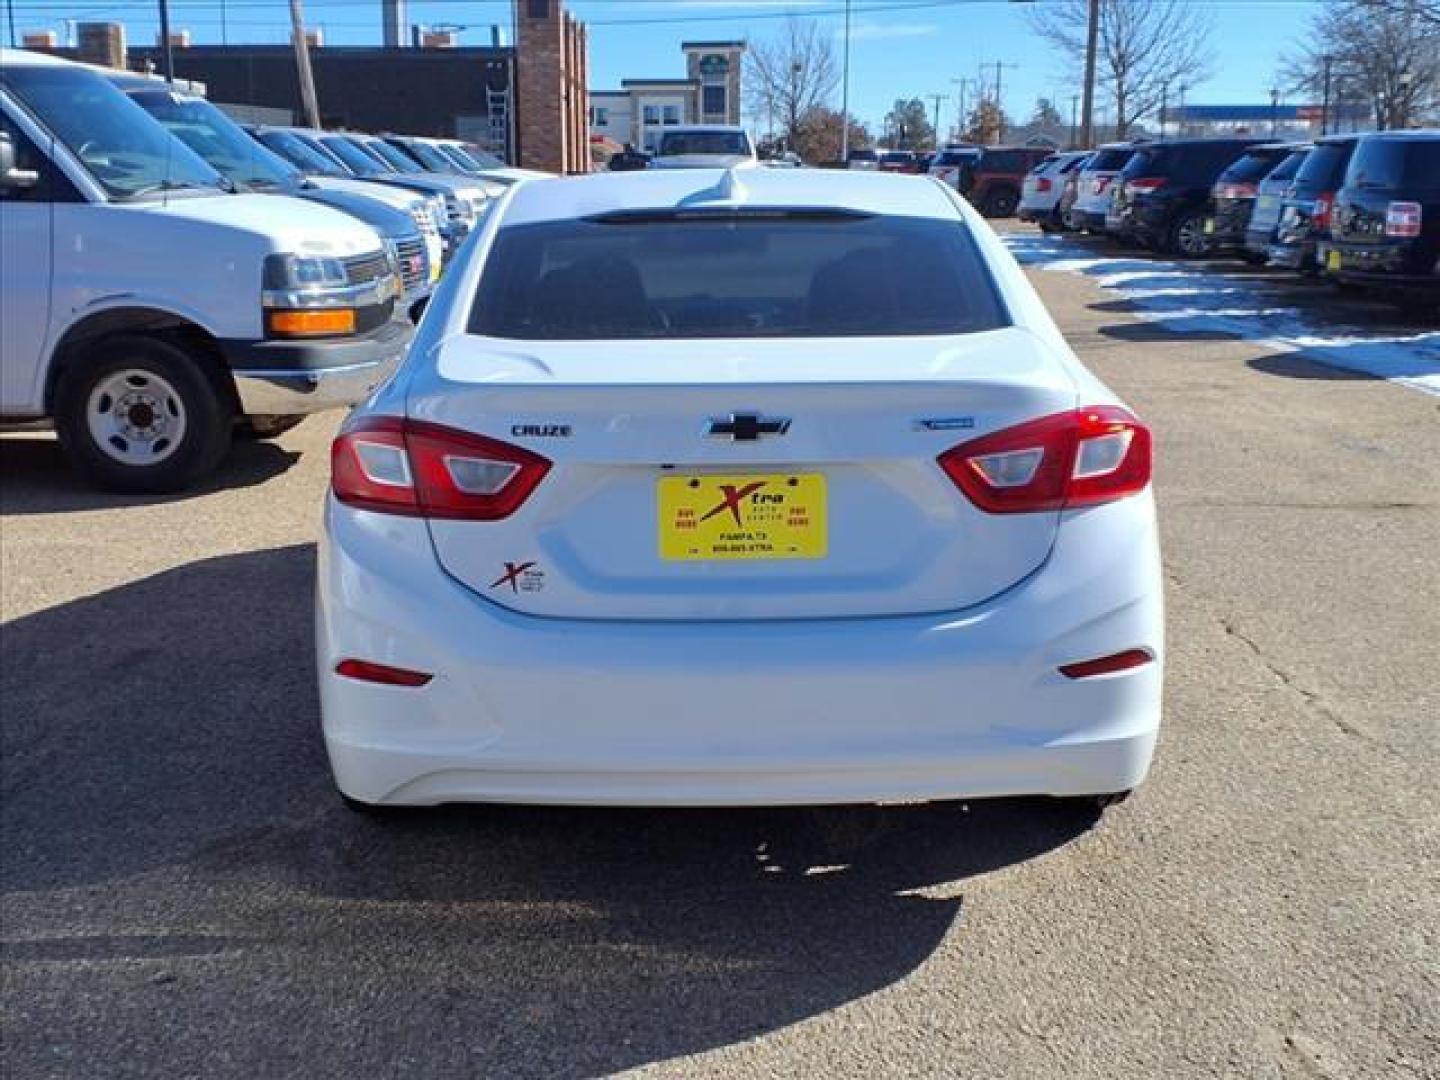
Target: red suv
992,184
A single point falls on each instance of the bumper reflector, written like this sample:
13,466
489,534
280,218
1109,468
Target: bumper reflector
366,671
1106,665
311,323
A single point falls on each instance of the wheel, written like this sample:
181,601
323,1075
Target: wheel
1049,225
1114,798
264,427
141,414
1187,236
1001,203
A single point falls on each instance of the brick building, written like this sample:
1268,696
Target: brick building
529,104
552,80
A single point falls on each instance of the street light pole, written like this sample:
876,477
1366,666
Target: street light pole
937,98
845,93
1325,103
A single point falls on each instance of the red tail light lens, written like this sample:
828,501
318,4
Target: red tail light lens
1403,219
1042,184
1235,191
1099,184
1145,184
1079,458
418,469
1320,211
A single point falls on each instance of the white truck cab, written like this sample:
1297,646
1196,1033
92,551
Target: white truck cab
704,146
148,310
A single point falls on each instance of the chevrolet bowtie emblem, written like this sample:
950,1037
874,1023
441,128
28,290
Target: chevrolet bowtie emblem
747,427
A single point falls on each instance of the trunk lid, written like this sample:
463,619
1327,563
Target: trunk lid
621,420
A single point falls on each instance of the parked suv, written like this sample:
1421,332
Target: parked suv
993,183
1305,210
1265,214
1040,193
1163,198
148,310
1385,227
1096,186
1235,191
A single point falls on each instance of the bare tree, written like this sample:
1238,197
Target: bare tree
791,73
1376,53
1148,49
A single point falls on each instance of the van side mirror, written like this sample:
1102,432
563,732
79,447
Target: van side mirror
13,178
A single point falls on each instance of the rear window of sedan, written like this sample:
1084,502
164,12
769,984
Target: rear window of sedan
704,274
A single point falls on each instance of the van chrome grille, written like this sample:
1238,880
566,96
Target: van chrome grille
411,254
361,269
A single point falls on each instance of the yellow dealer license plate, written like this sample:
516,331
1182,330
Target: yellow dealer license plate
755,516
1332,260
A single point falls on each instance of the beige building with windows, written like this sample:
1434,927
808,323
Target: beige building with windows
642,108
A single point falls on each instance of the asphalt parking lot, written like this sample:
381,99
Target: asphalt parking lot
183,895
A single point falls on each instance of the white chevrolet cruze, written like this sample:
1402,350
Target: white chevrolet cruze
738,487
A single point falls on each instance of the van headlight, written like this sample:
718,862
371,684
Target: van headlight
459,209
303,272
309,296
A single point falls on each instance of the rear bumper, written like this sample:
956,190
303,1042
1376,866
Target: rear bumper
287,378
1293,256
1399,266
938,706
1257,241
1089,220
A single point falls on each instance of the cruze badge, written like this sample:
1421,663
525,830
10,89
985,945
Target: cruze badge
746,427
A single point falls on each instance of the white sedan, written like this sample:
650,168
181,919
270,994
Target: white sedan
738,487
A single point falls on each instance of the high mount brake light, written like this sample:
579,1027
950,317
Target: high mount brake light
1082,457
418,469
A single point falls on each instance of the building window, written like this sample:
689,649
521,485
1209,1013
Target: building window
672,114
599,116
713,101
651,114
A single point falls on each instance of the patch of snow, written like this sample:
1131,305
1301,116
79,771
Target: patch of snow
1192,299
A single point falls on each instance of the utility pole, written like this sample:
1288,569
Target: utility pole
1325,104
1092,38
167,59
961,116
845,94
1000,102
1074,104
302,64
1274,110
937,98
1164,108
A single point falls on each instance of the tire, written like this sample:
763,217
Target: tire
252,428
1001,203
1186,236
176,426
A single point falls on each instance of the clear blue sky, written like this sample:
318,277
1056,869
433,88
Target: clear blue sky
906,48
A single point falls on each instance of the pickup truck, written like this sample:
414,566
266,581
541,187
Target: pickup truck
148,310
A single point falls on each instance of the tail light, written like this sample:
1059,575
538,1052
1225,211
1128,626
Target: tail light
1078,458
1043,184
1403,219
418,469
1320,211
1099,184
1144,185
1235,191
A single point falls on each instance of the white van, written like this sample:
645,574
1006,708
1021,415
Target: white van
148,310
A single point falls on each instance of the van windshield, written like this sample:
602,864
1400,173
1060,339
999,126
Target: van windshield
301,154
674,143
129,155
357,160
218,139
758,274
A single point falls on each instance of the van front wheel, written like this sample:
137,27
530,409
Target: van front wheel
141,415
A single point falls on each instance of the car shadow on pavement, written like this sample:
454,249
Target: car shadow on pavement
169,821
1295,365
38,480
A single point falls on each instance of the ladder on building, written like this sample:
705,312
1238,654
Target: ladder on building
497,110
